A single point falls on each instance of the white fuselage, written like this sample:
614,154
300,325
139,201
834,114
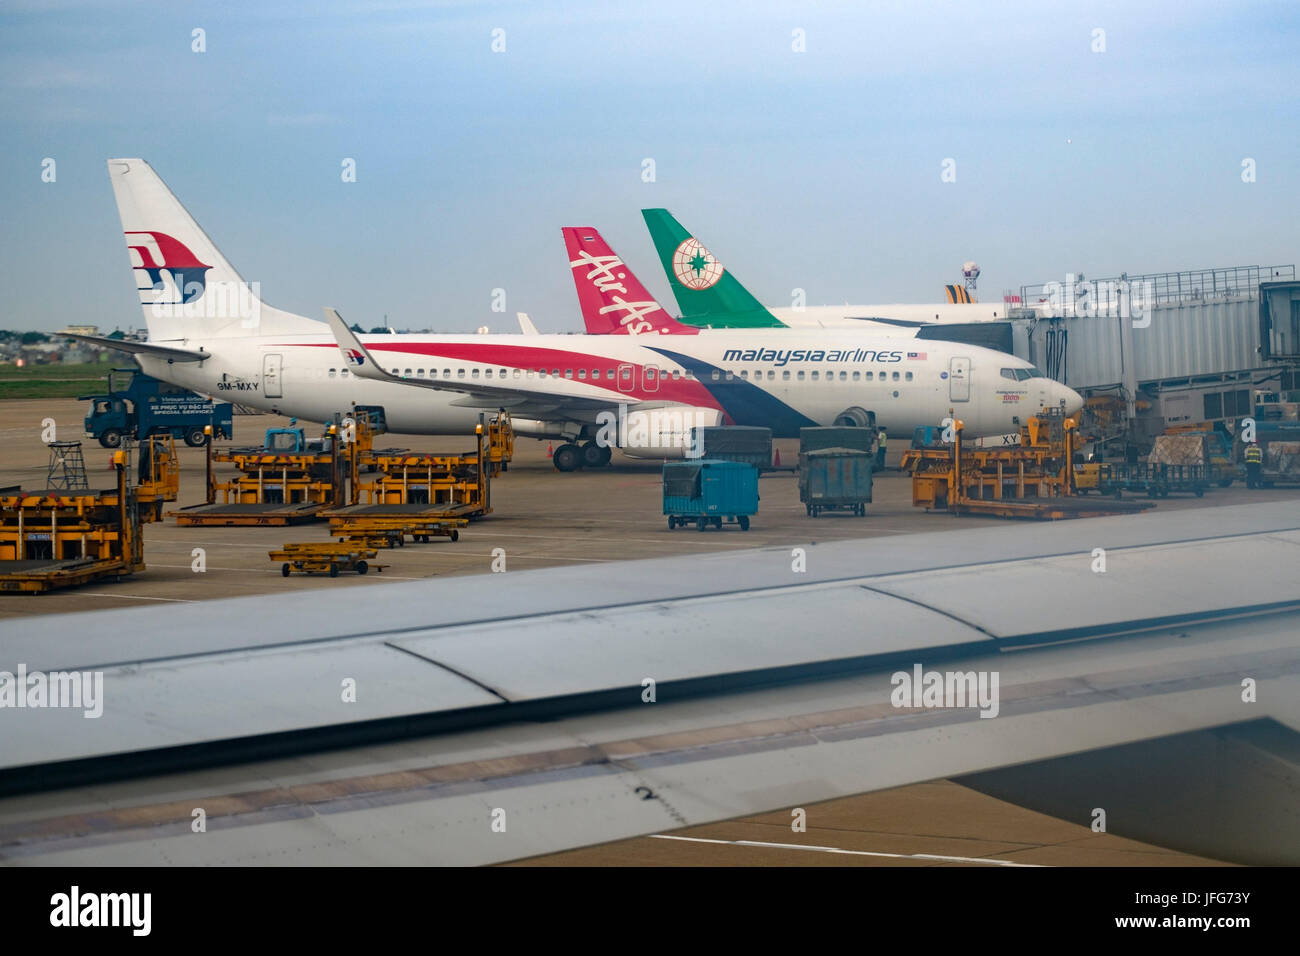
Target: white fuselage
782,379
912,315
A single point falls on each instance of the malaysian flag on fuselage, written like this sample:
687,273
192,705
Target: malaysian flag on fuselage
916,356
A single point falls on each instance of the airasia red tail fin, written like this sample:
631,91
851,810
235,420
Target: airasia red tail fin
613,300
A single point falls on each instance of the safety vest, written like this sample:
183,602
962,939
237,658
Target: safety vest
1254,455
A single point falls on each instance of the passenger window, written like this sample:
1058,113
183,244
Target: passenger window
857,376
332,372
501,373
419,373
568,373
627,374
801,375
487,373
609,374
785,375
729,376
517,373
474,374
676,374
716,375
744,373
582,374
555,373
869,376
343,373
908,376
407,373
895,376
844,376
815,375
460,373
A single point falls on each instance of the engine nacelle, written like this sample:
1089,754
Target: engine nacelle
537,428
655,432
856,417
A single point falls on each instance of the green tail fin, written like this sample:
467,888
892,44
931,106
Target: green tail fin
706,293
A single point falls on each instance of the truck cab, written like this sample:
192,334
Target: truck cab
138,405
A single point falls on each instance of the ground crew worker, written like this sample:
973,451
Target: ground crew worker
880,449
1254,461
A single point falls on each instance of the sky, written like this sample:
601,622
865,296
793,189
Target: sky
1085,137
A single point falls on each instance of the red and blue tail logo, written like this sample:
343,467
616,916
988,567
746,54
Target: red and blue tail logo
167,272
354,357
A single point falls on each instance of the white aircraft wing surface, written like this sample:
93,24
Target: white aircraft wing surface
491,718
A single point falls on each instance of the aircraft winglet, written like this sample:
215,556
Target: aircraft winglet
355,355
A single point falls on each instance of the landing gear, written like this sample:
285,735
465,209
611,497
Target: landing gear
595,456
567,458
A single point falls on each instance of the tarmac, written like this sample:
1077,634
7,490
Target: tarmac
543,518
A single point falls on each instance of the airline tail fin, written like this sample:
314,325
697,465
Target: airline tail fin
188,291
612,299
706,293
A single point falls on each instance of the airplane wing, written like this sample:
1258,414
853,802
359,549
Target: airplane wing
141,348
460,721
526,324
518,397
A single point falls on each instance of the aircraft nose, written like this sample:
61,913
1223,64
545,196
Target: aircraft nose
1072,400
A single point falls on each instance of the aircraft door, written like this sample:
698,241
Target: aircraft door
650,378
271,375
626,380
959,379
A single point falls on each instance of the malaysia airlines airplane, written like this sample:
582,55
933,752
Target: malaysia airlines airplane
209,331
711,296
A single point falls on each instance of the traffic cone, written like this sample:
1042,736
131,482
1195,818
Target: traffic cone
550,452
776,458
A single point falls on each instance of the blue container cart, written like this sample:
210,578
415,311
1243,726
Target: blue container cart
708,492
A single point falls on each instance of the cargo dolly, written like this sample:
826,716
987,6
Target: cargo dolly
1154,480
388,526
325,557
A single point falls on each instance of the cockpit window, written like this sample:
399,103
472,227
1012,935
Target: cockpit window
1020,374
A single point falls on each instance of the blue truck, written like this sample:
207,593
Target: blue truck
139,405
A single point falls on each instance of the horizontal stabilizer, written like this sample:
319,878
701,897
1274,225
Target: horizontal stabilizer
142,348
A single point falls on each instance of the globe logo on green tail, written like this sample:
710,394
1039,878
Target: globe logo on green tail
694,266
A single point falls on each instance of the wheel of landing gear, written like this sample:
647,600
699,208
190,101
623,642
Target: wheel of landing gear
595,456
567,458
